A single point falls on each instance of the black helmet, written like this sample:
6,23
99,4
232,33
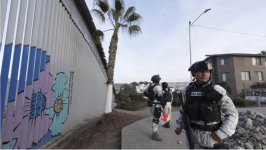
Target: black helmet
164,84
201,65
156,78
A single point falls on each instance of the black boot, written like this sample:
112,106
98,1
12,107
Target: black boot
155,136
167,124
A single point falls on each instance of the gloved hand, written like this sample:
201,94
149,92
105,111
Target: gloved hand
164,112
215,137
178,131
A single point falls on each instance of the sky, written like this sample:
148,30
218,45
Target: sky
163,46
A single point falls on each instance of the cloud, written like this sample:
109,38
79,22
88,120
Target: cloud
163,46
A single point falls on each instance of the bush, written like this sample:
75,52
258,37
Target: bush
137,97
128,89
258,85
132,105
176,99
243,102
130,102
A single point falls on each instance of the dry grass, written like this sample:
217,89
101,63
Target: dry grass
108,123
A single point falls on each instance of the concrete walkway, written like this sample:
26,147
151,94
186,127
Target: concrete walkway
138,134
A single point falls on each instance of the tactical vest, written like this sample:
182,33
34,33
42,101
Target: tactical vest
151,93
167,95
199,107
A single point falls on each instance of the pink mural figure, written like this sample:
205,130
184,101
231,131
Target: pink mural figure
41,100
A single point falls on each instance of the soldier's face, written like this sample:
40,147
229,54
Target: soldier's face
202,76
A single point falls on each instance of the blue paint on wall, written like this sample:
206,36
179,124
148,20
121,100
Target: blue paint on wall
4,78
40,143
14,74
37,65
34,146
47,59
38,102
43,61
23,69
46,137
43,102
34,107
31,65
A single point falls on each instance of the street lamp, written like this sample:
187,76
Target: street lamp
190,24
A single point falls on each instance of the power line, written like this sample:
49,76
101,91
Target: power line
230,31
198,9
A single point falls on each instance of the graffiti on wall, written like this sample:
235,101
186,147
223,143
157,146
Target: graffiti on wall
70,89
44,107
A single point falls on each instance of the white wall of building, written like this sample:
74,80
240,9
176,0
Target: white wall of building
52,73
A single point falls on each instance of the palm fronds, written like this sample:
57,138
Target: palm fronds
103,5
134,30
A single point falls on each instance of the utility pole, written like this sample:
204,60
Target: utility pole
190,24
190,49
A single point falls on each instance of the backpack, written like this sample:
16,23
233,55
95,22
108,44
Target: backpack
168,96
151,94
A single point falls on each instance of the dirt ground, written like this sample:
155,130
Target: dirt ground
104,132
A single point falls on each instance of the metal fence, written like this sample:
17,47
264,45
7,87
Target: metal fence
51,76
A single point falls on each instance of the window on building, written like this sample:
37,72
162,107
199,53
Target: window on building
245,75
256,61
225,76
224,61
258,76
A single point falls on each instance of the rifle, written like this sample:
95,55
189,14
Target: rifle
187,124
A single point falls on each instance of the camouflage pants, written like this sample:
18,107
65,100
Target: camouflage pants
203,140
156,116
220,145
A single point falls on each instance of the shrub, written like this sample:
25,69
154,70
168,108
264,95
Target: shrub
258,85
176,99
134,105
137,97
225,86
130,102
243,102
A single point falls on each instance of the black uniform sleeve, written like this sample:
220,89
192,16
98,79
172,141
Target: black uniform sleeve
146,94
161,99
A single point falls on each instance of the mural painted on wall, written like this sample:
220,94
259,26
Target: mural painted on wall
60,109
44,105
34,107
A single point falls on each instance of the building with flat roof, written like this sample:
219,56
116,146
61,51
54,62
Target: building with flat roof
237,70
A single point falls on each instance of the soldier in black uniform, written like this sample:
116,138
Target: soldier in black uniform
211,111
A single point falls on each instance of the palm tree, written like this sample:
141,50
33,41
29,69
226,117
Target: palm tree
119,19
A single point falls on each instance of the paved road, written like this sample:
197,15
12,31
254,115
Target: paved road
138,134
